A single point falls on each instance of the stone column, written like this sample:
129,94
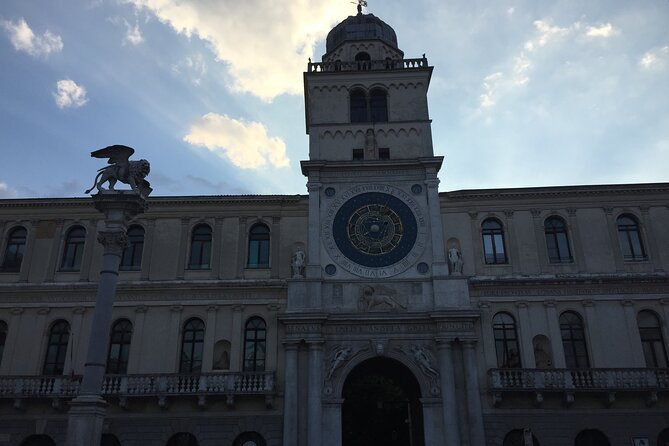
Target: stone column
145,273
434,206
29,250
651,240
217,250
511,240
135,356
525,336
89,250
576,243
592,334
474,411
555,335
637,357
290,396
313,269
171,362
184,249
76,332
315,382
615,242
540,238
275,250
449,402
236,359
87,411
54,256
209,339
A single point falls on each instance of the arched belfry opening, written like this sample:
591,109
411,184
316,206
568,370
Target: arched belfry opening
382,405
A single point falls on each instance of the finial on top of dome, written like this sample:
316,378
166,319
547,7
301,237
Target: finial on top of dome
361,3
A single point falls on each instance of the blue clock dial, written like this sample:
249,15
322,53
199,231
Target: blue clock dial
374,229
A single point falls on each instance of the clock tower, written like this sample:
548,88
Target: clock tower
377,290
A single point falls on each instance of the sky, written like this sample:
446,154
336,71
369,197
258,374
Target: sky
524,93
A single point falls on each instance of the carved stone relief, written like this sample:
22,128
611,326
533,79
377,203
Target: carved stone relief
380,298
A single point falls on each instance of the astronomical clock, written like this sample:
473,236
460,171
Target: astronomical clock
375,230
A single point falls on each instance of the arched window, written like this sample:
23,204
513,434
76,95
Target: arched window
192,342
132,254
652,340
591,437
200,248
182,439
557,241
74,249
378,105
517,438
3,338
493,241
56,350
573,341
119,347
16,245
630,238
364,61
255,337
38,440
259,246
109,440
249,439
358,102
506,341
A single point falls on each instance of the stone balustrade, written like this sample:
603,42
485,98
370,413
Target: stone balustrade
367,65
570,381
228,384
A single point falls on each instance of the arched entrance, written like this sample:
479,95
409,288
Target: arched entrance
381,406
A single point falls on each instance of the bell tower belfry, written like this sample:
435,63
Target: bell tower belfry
376,291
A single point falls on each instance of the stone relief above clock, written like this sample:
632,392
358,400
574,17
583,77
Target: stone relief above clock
374,230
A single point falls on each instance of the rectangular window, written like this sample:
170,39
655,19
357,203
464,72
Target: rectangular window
358,154
384,153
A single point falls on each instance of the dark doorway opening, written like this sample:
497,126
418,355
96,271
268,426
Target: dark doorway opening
381,406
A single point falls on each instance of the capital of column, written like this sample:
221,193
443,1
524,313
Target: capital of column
78,310
588,303
212,308
522,304
627,303
444,343
113,241
315,344
432,183
141,309
176,308
16,310
313,186
549,303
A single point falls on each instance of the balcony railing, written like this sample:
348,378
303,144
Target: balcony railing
367,65
162,386
570,381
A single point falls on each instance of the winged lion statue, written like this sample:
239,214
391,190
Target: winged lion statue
122,169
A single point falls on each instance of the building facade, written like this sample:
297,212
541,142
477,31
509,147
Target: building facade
372,310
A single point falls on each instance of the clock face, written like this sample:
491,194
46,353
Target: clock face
375,234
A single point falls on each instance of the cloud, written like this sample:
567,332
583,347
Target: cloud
24,39
601,31
69,94
264,42
133,35
655,59
6,191
244,144
193,67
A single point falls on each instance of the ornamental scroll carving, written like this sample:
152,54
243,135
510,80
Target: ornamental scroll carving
113,241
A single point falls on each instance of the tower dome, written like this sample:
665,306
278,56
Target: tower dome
361,27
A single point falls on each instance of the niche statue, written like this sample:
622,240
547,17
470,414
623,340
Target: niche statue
132,173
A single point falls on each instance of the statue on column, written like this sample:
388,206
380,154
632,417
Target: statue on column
297,263
455,262
132,173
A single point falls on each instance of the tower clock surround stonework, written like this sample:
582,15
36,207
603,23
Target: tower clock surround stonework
371,310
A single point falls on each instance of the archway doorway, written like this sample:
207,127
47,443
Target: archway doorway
381,406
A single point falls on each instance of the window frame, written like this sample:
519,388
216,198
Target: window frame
192,337
58,341
199,256
630,239
123,338
572,344
505,335
255,346
652,341
73,249
259,244
17,246
494,237
557,235
358,107
380,109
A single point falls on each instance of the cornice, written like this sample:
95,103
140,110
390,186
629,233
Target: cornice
556,192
